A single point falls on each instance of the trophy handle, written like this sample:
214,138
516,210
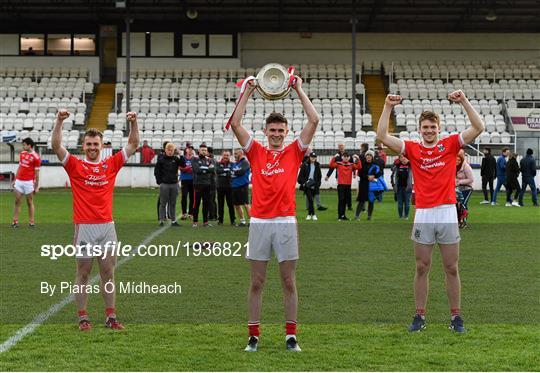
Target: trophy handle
292,78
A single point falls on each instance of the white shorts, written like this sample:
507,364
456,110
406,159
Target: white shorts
436,225
24,186
95,235
278,234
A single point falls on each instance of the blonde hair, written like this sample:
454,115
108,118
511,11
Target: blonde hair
170,146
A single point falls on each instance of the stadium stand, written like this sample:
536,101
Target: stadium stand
194,104
490,87
30,98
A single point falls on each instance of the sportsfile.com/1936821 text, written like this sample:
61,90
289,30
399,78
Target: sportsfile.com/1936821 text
181,248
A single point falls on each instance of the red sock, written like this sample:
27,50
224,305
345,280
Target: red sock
290,327
421,311
82,314
110,312
254,328
455,312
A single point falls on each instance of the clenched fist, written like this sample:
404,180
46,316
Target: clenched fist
131,116
392,100
62,114
457,96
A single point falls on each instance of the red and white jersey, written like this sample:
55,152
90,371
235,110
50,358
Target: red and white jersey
29,162
92,185
434,170
273,176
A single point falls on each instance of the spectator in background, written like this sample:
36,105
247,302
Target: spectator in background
363,182
316,197
161,154
147,153
402,183
380,159
501,174
204,173
166,173
464,182
240,186
528,172
186,181
376,183
224,187
212,212
310,178
380,153
512,183
348,193
488,171
345,171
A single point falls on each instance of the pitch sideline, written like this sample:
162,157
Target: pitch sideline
55,308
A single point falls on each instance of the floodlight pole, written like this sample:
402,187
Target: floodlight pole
354,21
128,64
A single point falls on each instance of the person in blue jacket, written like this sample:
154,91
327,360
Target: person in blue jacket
501,174
241,171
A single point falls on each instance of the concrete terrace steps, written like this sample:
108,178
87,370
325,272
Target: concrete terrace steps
376,94
103,103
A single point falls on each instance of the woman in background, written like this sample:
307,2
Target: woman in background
464,182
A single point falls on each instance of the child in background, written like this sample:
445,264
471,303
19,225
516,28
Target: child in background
345,174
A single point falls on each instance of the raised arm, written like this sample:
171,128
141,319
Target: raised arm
394,143
313,118
477,124
133,137
56,138
236,121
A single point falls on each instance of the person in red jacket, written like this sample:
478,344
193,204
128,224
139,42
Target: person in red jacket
345,170
147,153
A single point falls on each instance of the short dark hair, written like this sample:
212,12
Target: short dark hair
504,149
29,141
429,115
345,154
276,118
203,145
364,146
529,151
92,132
488,150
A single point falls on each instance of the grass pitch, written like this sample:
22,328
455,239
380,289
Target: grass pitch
354,282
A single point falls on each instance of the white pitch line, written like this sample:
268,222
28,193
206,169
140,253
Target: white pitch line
54,309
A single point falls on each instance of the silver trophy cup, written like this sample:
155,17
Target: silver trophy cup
273,81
